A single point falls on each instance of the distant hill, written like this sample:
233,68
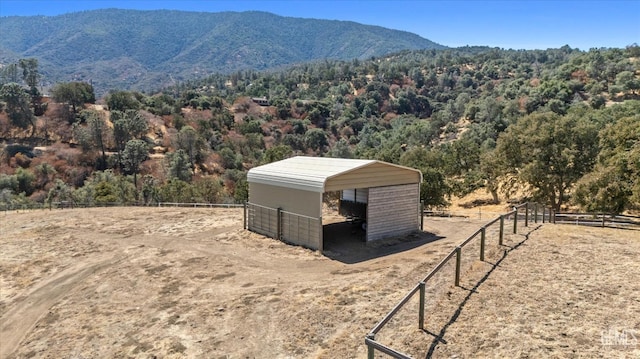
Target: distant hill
132,49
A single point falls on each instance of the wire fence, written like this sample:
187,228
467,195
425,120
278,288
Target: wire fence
456,262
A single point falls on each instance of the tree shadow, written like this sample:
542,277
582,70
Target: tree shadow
439,338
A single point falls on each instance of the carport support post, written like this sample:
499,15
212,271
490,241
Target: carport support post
321,234
244,215
458,260
501,229
483,234
421,215
279,224
421,310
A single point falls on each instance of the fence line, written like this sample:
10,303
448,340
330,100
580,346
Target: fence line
370,341
208,205
599,220
70,204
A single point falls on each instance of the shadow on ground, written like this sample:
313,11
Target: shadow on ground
440,337
345,242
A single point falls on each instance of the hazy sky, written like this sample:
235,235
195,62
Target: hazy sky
528,24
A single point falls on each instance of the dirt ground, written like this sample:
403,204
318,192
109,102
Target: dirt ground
564,292
552,291
187,282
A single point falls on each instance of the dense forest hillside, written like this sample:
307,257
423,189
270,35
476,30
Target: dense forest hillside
559,126
130,49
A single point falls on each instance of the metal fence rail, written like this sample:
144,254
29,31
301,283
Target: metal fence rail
71,204
263,220
599,220
531,212
286,226
299,229
205,205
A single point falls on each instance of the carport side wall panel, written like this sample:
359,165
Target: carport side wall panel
262,220
374,175
292,200
392,211
302,230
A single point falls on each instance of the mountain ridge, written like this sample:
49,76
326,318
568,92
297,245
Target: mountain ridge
135,49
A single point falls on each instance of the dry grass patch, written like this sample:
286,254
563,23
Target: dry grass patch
565,292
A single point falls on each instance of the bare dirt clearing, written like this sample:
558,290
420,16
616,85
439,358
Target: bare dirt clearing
184,282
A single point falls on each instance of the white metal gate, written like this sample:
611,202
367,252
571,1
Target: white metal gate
286,226
263,220
301,230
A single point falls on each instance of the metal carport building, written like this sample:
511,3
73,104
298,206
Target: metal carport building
285,197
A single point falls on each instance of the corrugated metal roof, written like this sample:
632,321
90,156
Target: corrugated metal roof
307,173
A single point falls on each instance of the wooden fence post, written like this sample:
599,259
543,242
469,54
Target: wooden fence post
515,221
501,229
526,214
482,240
535,213
458,260
421,313
603,220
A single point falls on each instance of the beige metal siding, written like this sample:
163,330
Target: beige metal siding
300,215
263,220
392,211
373,175
306,203
301,230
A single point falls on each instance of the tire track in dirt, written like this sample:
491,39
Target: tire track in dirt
20,319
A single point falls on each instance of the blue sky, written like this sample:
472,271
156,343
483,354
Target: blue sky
521,24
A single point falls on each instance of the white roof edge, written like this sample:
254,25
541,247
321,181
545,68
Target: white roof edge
309,173
382,162
301,185
403,167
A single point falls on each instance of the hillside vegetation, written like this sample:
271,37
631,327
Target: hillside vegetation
559,126
130,49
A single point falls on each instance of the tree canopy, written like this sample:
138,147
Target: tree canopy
555,126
